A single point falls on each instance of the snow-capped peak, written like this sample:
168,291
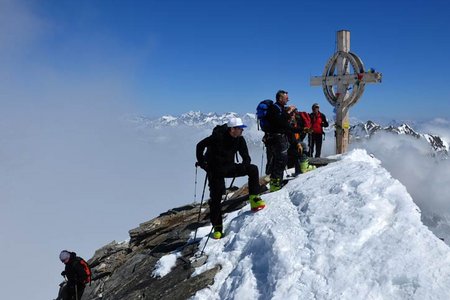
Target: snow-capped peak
192,118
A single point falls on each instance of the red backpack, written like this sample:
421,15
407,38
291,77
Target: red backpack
306,119
87,270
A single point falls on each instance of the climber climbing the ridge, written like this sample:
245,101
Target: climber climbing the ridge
219,162
78,274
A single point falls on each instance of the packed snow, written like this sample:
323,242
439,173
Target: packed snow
345,231
165,264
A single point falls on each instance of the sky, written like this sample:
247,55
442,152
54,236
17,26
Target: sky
357,237
169,57
75,175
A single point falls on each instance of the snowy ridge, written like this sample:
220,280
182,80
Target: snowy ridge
358,236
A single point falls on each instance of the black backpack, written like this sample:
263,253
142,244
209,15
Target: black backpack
219,130
218,134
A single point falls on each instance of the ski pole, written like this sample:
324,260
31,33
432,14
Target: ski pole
195,186
262,161
76,292
201,203
207,239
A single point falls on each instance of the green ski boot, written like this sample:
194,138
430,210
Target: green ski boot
275,184
305,166
256,203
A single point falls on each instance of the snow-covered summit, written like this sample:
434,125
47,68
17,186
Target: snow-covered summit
358,236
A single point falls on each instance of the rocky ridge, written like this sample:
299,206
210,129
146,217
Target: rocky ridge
123,271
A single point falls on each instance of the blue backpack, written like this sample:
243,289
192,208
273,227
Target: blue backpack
261,113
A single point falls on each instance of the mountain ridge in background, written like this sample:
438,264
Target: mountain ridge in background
360,130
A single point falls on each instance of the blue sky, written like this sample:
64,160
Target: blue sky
169,57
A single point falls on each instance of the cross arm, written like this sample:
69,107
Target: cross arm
367,77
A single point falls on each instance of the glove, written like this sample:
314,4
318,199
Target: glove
202,165
243,165
299,148
63,273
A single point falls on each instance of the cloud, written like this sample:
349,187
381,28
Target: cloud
426,177
72,173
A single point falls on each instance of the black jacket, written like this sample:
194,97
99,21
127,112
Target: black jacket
278,120
75,271
221,149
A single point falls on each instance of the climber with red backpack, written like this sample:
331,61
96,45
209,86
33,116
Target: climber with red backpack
297,152
78,274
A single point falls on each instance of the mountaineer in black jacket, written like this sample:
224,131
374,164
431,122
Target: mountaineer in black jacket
218,161
276,138
77,273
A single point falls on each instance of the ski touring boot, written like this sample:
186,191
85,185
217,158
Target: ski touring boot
256,203
218,232
275,184
305,166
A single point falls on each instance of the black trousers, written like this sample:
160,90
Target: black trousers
217,187
315,142
294,158
70,292
277,155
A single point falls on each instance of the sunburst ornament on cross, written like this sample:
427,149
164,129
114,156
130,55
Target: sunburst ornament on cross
343,81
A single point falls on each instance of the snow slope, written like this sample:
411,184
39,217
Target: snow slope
345,231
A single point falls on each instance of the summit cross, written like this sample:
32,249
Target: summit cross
343,81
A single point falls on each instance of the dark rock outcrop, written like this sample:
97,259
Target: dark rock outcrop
124,270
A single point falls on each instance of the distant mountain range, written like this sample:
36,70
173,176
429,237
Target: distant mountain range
192,118
369,128
362,130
